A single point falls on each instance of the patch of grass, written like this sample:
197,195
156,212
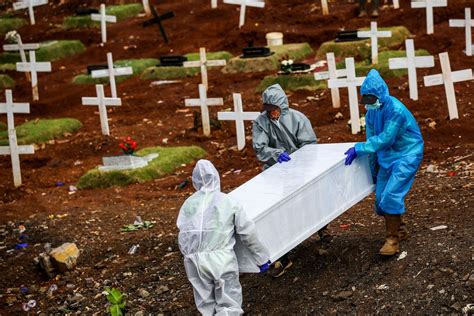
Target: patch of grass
360,50
138,66
122,12
3,127
9,24
293,82
169,159
41,131
162,73
6,82
287,51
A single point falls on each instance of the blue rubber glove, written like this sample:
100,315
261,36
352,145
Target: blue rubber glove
284,157
264,268
351,155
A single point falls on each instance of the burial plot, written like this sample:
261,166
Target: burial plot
21,48
448,78
332,73
34,67
111,73
374,35
411,62
305,194
30,5
429,5
10,24
203,63
243,7
203,102
6,81
103,19
157,19
467,24
239,116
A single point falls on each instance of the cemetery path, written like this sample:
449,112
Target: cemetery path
437,275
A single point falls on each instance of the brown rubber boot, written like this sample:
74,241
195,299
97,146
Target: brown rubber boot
403,231
391,246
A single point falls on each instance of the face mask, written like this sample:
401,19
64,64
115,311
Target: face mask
373,106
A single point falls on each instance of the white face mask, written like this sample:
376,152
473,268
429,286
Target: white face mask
373,106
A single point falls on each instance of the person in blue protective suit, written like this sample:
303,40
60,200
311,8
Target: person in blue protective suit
395,148
208,223
276,133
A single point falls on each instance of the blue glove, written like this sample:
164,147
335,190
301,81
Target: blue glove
264,267
284,157
351,155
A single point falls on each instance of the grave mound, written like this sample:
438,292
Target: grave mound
162,73
272,62
41,131
6,82
10,24
122,12
292,83
360,50
169,159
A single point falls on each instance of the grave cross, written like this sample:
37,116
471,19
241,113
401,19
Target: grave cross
29,4
103,18
33,67
429,5
324,6
19,46
351,83
411,62
373,34
13,149
204,102
112,72
332,73
448,78
239,116
243,6
157,19
204,63
213,4
146,7
468,24
102,102
396,4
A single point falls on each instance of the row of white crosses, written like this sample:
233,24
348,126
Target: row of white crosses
29,4
13,149
103,18
203,63
243,7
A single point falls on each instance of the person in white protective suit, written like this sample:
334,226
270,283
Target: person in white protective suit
208,222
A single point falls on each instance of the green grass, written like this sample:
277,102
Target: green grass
360,50
3,127
138,65
41,131
122,12
6,82
169,159
287,51
162,73
10,24
292,82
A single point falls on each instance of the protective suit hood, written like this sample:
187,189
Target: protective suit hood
206,177
276,96
375,85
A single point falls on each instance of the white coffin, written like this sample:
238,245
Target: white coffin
291,201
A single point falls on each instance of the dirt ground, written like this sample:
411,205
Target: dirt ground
436,277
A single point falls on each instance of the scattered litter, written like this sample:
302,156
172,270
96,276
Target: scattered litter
53,288
468,309
23,290
21,229
22,245
133,249
138,221
439,227
59,183
345,226
452,173
402,256
383,287
72,189
163,82
164,141
137,224
237,171
183,184
432,169
27,306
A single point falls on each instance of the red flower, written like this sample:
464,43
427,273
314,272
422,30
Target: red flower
128,146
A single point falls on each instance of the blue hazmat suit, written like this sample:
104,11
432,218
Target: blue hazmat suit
208,223
289,133
394,145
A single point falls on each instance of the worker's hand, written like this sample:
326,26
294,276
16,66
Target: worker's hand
351,155
264,267
284,157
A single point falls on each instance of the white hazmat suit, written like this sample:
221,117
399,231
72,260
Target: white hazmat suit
208,222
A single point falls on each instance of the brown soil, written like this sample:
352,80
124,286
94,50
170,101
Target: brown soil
434,278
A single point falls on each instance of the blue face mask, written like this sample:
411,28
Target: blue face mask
373,106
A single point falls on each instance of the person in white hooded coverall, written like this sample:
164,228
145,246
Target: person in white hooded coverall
208,222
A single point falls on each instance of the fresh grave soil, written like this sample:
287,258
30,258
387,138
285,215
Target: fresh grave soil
437,275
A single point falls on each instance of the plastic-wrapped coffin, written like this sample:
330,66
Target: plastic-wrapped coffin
291,201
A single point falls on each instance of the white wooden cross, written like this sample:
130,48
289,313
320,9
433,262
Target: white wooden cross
146,7
29,4
396,4
204,63
103,18
102,102
239,116
411,62
448,78
373,34
243,5
324,6
213,4
351,83
33,67
468,24
204,102
19,46
429,5
13,149
112,72
332,73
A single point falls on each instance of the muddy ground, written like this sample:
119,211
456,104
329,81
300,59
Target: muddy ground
437,276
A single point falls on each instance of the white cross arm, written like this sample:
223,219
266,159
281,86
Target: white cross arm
435,3
192,64
27,67
458,23
343,83
256,4
25,4
368,34
462,75
420,62
216,62
107,101
108,18
231,116
209,102
124,71
433,80
17,108
22,150
16,47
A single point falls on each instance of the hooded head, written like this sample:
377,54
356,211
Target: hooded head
375,85
206,177
275,95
